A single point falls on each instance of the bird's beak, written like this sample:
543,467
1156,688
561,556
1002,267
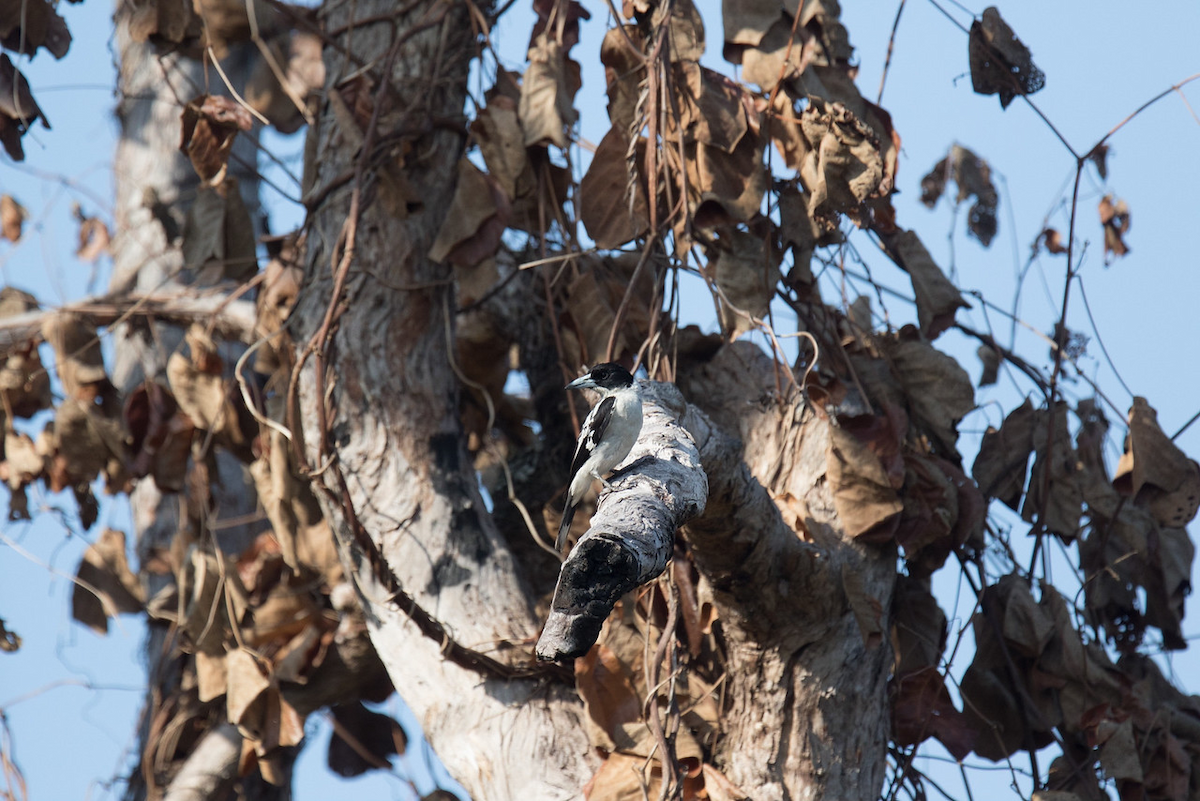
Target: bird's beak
583,382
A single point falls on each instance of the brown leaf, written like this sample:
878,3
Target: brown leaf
1154,471
18,109
299,54
685,32
921,708
1168,583
1051,239
204,398
111,585
1000,63
990,358
85,442
206,592
212,679
31,24
209,125
842,165
620,778
478,215
548,94
1059,511
94,238
247,684
1115,218
777,57
864,488
937,299
1099,157
161,436
938,391
718,787
22,463
974,179
612,202
379,735
623,71
747,21
1003,457
714,109
497,129
12,218
26,382
745,268
926,532
218,236
726,187
77,355
609,695
918,626
10,641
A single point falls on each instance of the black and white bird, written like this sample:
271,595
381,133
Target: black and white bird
607,436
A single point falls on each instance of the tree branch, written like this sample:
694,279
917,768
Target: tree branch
633,531
231,318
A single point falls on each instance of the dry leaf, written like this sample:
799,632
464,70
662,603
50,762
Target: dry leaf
725,187
497,130
921,708
864,488
218,236
938,391
299,54
478,215
1155,472
918,626
212,679
745,268
77,355
30,24
842,165
990,358
623,72
12,218
26,382
612,202
1116,219
1059,511
548,94
685,32
973,177
378,734
94,238
1000,63
937,299
114,587
209,124
18,109
1051,239
868,611
1003,457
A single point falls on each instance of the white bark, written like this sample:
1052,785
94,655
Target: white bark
632,534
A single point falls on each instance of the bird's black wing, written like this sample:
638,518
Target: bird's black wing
593,431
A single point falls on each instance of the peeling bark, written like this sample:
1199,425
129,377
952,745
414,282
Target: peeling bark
632,533
808,705
380,391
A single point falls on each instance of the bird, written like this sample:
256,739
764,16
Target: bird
607,436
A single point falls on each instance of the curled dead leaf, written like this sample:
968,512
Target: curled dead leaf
106,584
937,298
1000,62
12,218
218,236
745,268
209,125
478,215
1115,218
612,202
18,109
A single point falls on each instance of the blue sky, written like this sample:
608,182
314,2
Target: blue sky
1102,60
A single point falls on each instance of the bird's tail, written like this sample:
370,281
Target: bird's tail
564,527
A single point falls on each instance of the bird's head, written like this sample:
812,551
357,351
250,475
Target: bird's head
605,377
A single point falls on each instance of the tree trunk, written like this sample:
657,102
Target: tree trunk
155,185
374,328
